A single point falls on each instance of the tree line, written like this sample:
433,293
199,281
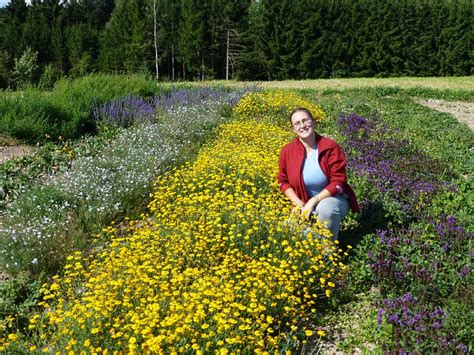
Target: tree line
240,39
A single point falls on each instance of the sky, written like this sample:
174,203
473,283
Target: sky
4,3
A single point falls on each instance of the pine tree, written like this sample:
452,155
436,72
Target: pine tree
252,64
191,39
280,38
12,18
124,42
312,31
457,52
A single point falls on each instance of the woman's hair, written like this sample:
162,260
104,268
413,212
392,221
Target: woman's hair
301,109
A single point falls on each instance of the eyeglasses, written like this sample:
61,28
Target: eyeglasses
304,122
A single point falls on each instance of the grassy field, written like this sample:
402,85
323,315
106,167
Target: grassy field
438,83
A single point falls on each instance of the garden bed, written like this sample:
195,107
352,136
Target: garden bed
391,143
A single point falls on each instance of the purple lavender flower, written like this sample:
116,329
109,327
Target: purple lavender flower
125,111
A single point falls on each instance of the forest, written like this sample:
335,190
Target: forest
44,40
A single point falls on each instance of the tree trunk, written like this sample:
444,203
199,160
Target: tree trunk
155,38
172,62
227,57
202,67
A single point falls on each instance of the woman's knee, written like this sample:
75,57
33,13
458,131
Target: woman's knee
327,209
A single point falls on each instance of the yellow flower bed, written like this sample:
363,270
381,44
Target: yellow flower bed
278,103
219,265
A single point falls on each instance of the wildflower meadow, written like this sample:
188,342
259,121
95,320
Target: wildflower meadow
170,235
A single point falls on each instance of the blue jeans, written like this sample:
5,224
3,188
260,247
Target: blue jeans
332,210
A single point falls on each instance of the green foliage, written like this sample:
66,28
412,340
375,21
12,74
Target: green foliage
97,88
459,202
124,43
191,38
352,322
4,69
18,298
67,110
51,74
16,175
25,70
271,39
25,116
38,232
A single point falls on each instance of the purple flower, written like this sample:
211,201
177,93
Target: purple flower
462,347
446,247
464,271
380,314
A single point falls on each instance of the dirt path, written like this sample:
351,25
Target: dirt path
14,151
463,111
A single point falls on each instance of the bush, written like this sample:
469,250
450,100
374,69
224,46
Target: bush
51,74
67,110
25,71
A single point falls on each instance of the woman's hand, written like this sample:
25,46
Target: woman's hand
309,207
297,207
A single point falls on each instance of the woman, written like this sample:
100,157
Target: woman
313,174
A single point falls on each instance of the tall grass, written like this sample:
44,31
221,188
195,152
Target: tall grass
66,110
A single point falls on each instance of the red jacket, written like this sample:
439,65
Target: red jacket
332,162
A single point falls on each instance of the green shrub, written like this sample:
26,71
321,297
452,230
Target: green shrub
26,116
26,69
18,297
50,75
67,110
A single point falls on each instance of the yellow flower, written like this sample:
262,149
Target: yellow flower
321,333
12,337
308,333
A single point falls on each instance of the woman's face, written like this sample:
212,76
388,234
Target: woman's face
302,124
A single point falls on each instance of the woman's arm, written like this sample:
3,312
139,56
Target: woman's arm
336,174
291,194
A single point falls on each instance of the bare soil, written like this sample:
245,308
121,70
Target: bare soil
8,152
463,111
